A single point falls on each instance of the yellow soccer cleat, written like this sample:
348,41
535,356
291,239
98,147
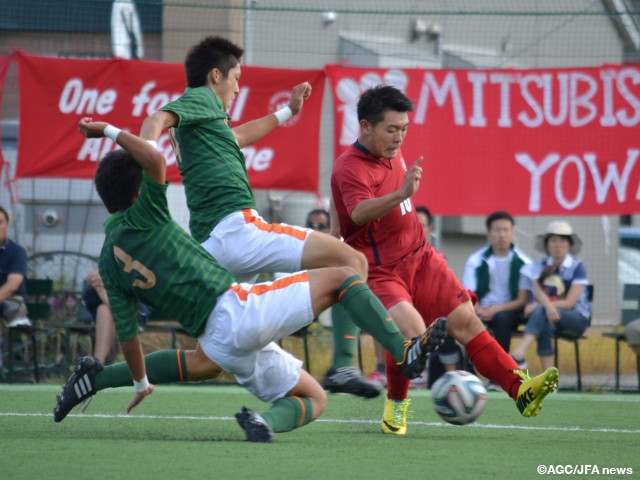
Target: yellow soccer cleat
533,390
394,417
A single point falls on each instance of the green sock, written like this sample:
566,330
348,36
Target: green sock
164,366
345,337
368,313
288,413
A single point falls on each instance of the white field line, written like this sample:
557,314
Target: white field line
339,421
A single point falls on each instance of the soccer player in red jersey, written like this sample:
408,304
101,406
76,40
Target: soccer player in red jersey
372,188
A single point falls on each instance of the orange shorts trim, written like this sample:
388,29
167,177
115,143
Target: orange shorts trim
249,217
260,288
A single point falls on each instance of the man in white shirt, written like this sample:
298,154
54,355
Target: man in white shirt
494,274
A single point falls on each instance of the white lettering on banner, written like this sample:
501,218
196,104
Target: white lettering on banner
530,100
478,118
574,99
619,181
504,80
612,177
90,150
562,102
93,149
632,100
440,93
582,180
152,103
76,99
258,160
607,119
583,101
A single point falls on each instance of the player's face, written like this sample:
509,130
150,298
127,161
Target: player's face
500,235
227,88
386,137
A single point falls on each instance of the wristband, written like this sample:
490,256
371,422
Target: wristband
111,132
153,143
283,114
142,385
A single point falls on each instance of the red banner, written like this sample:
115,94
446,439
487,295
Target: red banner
55,93
554,141
5,62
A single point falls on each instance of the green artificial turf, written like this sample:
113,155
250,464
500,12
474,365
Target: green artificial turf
190,432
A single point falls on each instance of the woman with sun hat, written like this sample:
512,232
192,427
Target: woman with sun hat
558,282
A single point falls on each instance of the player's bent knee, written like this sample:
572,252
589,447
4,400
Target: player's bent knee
318,402
464,324
360,264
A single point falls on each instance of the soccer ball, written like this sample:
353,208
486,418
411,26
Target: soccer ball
458,397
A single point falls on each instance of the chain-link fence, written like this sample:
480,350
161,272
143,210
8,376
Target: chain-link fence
484,34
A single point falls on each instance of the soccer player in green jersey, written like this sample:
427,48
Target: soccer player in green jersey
222,208
148,257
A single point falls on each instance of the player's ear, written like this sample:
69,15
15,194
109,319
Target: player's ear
215,76
365,126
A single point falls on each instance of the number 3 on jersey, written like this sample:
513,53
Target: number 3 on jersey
130,264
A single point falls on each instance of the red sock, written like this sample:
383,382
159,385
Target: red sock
397,384
491,361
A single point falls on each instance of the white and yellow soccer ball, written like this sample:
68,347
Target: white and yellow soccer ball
459,397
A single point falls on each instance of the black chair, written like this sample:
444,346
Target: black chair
573,337
630,293
39,309
80,326
160,322
303,333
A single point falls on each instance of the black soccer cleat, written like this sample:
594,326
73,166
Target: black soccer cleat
254,426
79,387
418,349
350,380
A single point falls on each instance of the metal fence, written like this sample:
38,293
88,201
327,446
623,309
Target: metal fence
303,34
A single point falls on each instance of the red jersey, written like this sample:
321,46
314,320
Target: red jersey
358,176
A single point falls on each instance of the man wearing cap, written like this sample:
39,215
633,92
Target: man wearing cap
558,285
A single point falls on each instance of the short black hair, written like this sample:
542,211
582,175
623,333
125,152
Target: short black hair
376,101
4,212
425,210
499,215
211,52
318,211
118,179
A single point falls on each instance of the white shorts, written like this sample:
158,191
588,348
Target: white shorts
245,244
244,325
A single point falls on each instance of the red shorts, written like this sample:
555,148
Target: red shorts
424,280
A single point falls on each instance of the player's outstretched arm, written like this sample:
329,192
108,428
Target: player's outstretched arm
132,351
145,154
252,131
154,124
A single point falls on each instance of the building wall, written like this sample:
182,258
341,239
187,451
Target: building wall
295,34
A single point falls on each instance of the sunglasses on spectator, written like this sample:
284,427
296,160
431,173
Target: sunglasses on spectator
317,226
